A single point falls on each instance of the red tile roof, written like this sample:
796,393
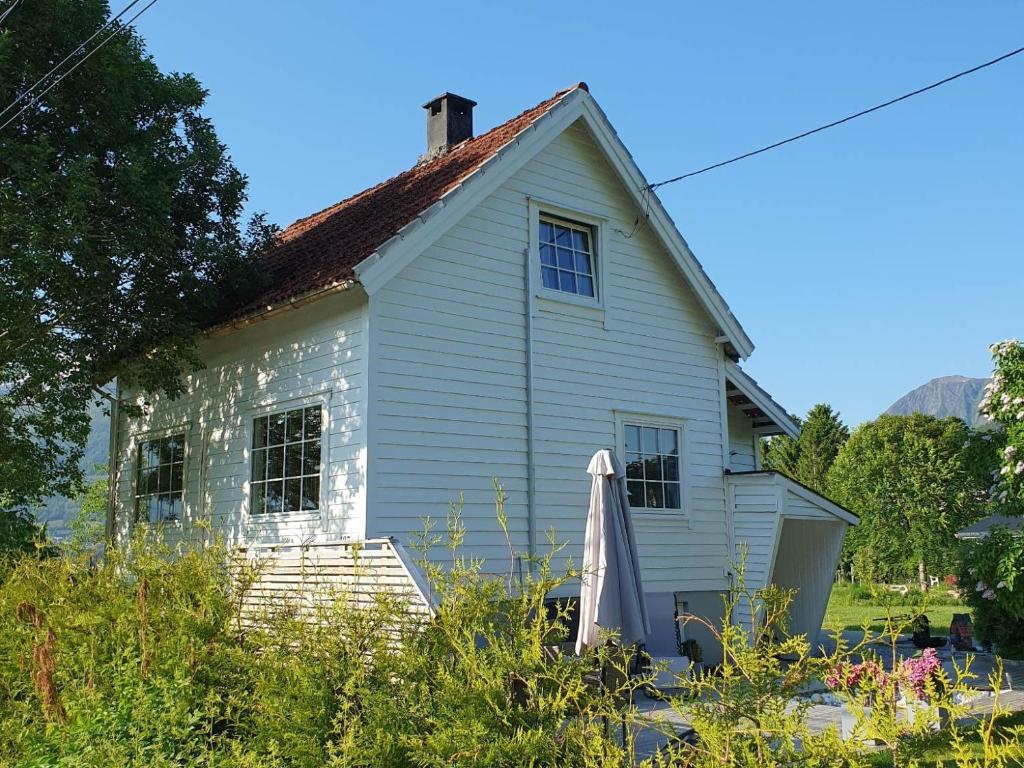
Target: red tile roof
322,250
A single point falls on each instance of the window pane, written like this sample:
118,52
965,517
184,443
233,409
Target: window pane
166,450
669,441
636,493
258,496
311,493
177,507
165,506
259,464
165,478
259,432
149,481
153,509
177,448
293,460
311,458
652,468
565,259
275,462
583,264
580,241
276,433
586,285
547,232
273,497
650,440
547,255
655,497
177,477
292,493
634,467
671,467
549,277
632,439
672,496
567,281
152,449
312,416
294,428
563,236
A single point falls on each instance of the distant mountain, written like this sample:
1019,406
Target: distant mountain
57,511
944,396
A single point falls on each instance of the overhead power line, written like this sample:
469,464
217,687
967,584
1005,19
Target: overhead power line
7,12
834,123
77,64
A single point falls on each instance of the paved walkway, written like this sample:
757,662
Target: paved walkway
664,722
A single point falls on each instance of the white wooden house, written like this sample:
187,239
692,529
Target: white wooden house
506,307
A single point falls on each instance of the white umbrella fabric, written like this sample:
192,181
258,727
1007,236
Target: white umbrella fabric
611,594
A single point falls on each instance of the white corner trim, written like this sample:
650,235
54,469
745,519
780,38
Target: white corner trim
762,399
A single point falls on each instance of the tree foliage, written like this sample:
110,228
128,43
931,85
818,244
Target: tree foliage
120,236
808,458
914,483
1003,402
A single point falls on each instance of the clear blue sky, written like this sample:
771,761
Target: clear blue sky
863,261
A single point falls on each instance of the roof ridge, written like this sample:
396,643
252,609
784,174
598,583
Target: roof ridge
425,166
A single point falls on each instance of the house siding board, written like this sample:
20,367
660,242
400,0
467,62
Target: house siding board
741,441
449,404
315,351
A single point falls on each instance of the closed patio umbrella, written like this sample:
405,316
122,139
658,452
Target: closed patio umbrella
611,594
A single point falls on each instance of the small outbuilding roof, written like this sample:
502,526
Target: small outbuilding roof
982,528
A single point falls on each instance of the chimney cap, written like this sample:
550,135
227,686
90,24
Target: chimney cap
454,98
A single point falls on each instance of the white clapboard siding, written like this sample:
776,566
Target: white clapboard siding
741,441
361,573
312,354
448,348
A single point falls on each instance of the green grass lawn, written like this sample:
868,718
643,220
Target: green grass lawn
850,607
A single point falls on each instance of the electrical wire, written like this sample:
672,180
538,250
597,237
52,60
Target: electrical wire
10,8
834,123
77,64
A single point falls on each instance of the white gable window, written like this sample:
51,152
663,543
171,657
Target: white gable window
160,479
567,258
286,452
653,458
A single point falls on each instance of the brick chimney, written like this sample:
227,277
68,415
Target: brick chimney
449,122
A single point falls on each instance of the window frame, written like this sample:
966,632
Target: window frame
659,421
149,435
563,301
254,522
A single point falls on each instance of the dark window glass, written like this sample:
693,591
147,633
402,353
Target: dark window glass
286,464
653,477
567,258
160,479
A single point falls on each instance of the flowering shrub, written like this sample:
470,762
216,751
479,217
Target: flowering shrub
1003,402
994,567
914,676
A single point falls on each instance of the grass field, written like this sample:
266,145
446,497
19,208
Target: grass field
851,606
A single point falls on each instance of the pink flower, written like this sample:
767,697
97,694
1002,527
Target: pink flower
989,594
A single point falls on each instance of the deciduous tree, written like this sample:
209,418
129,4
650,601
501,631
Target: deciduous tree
121,235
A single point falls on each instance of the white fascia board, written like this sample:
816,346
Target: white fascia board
412,239
818,500
761,399
624,164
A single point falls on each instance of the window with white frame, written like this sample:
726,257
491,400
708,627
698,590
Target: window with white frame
286,453
567,257
160,479
653,473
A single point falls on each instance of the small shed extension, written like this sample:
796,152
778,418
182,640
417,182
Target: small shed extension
791,537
